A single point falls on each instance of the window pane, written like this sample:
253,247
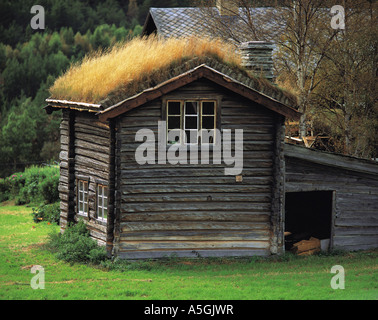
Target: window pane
105,203
174,108
191,107
80,206
105,214
174,122
191,122
208,122
208,108
85,207
191,136
99,191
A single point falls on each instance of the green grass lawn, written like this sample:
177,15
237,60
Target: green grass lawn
289,277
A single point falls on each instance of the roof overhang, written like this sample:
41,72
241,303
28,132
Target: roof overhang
65,104
202,71
335,160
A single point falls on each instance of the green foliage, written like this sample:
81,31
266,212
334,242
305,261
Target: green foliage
34,185
75,245
47,212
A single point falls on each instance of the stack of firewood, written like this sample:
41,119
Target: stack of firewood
306,247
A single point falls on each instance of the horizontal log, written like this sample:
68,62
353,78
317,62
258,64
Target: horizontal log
353,231
173,216
146,188
81,161
93,175
192,245
185,206
247,146
96,139
197,180
156,254
197,197
188,171
355,240
351,222
208,235
190,225
93,154
128,137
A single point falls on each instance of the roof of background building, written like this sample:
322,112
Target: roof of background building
183,22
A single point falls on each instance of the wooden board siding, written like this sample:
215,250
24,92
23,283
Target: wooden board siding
355,220
92,151
90,141
196,210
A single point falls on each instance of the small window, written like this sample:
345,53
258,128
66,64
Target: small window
83,197
102,202
187,119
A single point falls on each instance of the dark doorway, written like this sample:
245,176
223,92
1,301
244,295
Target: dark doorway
307,214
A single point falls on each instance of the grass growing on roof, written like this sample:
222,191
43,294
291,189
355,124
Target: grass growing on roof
107,71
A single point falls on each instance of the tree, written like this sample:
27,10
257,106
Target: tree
18,136
347,93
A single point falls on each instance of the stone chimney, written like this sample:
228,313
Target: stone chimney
228,7
257,56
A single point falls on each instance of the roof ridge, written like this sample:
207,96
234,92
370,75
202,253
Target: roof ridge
176,68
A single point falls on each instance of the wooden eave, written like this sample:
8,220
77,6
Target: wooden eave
202,71
340,161
65,104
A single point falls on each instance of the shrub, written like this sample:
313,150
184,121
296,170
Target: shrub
49,188
75,245
4,189
34,185
48,212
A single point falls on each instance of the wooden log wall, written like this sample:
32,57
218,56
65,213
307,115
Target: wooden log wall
355,216
85,154
196,210
92,161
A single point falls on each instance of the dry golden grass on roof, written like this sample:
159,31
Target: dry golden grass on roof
104,72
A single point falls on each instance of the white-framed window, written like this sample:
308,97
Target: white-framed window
186,119
82,195
102,202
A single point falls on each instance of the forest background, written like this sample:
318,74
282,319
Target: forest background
342,105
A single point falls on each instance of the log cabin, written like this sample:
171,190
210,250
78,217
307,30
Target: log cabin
193,209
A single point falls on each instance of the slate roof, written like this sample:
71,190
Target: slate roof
181,22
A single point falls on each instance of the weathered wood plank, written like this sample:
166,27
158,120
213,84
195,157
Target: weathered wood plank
197,197
234,216
146,188
208,235
189,225
155,254
193,245
185,206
